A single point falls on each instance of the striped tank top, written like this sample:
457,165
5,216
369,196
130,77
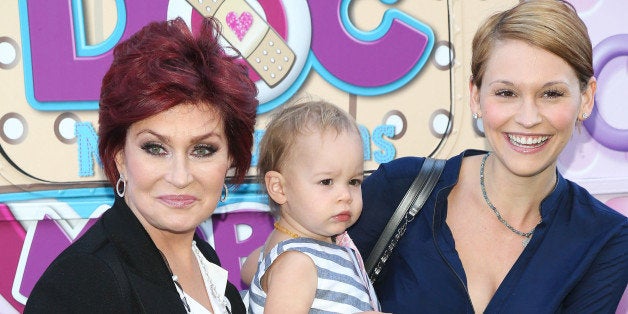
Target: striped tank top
343,286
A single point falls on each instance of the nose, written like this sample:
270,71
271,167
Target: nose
344,193
528,114
179,173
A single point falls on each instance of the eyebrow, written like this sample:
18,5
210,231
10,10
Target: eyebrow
166,139
555,83
551,83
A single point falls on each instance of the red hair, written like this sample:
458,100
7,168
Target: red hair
164,65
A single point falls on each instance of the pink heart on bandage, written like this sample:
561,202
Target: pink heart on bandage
240,25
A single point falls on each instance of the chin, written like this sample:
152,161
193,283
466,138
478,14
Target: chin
180,227
181,230
528,169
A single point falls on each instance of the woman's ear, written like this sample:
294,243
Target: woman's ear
120,165
474,99
274,187
588,99
230,169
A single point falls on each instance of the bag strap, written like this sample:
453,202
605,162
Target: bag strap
409,206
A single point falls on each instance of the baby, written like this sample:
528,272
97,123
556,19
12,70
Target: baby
311,164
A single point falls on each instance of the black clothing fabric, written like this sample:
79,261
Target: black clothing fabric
115,267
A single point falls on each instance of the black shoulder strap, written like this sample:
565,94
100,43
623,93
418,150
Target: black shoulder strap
409,206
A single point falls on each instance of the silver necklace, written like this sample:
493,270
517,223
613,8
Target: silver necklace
527,235
175,279
212,288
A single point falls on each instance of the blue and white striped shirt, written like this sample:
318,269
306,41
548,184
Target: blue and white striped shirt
342,286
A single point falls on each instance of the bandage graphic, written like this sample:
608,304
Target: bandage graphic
258,43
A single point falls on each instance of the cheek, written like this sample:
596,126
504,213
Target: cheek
212,176
562,118
492,119
357,198
493,110
140,171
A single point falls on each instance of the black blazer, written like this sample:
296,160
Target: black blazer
114,268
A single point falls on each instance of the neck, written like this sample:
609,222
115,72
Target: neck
169,243
177,251
515,196
286,226
284,230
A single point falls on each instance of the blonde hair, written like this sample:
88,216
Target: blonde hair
288,124
552,25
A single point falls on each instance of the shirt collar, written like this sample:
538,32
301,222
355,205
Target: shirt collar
450,177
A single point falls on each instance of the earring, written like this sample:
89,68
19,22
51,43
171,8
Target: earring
585,115
223,197
121,181
476,115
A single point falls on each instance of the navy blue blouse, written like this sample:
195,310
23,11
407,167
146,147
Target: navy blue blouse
576,262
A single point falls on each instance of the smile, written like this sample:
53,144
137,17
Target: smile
527,141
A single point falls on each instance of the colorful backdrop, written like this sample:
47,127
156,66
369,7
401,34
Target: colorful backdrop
399,67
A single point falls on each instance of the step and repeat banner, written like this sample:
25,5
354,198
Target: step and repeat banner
401,68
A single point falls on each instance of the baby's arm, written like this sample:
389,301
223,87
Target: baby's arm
249,267
290,283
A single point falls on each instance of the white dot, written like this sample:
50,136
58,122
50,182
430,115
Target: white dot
257,60
272,75
440,123
285,59
208,8
265,68
443,56
279,68
270,43
243,232
272,60
264,52
7,53
13,128
397,122
278,51
66,128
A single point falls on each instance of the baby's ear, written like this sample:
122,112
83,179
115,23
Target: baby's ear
274,186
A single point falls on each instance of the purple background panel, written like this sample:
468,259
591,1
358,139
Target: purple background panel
367,64
58,74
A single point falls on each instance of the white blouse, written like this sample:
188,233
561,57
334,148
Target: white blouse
215,279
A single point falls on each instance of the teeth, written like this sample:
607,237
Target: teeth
527,140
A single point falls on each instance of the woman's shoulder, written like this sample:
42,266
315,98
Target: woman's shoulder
591,209
89,244
87,257
76,279
84,262
400,167
585,217
408,166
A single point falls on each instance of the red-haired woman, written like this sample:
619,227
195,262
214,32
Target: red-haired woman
176,113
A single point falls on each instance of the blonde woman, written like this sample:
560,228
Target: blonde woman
503,231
